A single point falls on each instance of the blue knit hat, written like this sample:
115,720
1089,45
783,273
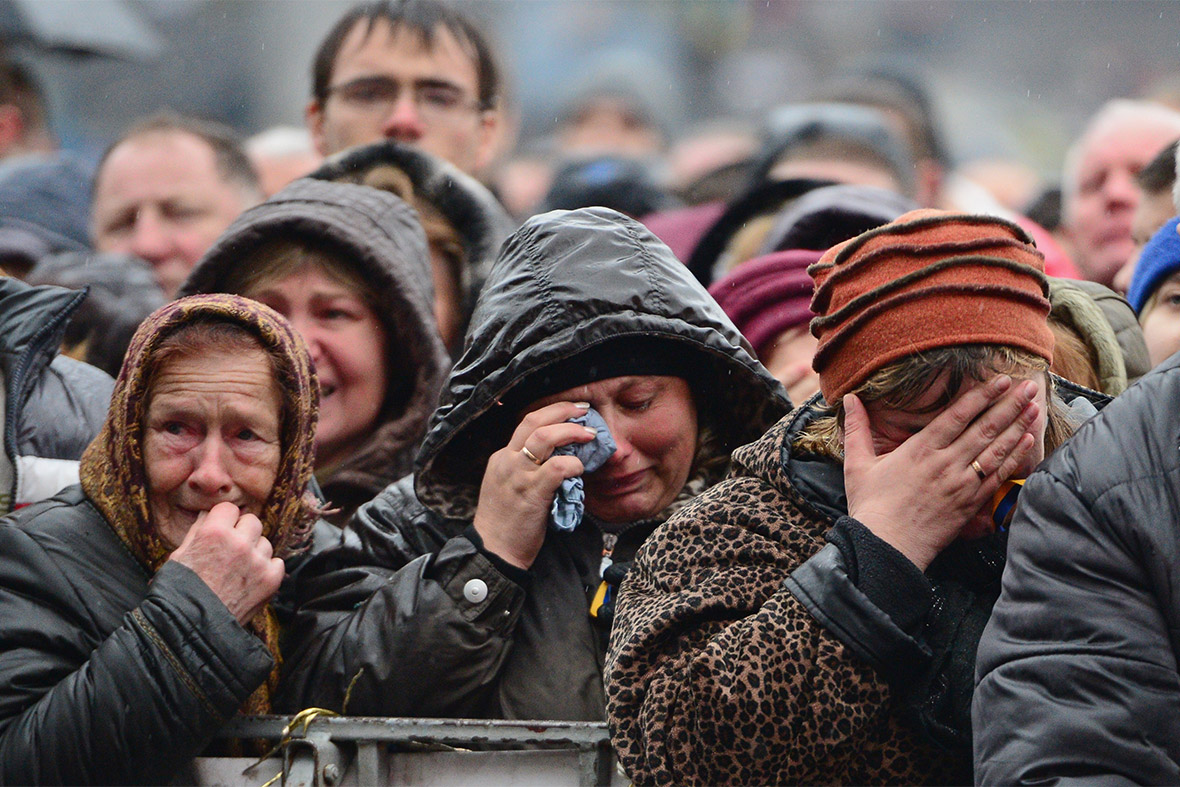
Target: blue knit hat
1159,260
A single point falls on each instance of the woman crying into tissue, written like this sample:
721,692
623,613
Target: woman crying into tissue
465,591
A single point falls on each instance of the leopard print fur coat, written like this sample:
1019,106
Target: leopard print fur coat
717,674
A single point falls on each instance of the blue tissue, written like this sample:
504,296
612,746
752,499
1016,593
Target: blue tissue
570,501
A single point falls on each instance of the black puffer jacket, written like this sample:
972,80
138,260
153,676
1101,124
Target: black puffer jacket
53,406
382,238
434,625
1077,669
108,675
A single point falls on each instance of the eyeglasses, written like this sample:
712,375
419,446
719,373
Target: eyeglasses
435,102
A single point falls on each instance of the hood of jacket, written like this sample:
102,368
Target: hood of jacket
380,235
476,215
565,282
53,405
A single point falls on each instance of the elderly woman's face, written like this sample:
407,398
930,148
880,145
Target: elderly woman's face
653,420
211,435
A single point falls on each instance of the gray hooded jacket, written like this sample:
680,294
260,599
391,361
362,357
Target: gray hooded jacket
381,237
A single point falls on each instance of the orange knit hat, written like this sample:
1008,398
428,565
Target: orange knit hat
929,279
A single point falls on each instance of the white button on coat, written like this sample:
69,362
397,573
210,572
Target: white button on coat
475,591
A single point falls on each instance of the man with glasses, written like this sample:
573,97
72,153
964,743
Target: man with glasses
414,71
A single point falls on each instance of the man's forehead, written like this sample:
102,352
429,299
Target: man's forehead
379,44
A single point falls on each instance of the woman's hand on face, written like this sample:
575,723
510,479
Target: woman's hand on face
920,496
517,492
225,548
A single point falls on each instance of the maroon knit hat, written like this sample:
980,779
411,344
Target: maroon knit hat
929,279
768,295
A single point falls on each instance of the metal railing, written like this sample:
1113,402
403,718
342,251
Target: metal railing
319,751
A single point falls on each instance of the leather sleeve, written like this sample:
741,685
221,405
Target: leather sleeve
78,706
416,630
1077,679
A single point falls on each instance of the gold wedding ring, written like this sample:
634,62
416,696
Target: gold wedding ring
531,456
978,469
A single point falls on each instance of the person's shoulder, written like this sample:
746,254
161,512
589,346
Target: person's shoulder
66,524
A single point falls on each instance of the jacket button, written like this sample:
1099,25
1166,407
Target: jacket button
475,591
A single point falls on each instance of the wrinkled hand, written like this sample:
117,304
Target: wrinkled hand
516,493
225,548
920,496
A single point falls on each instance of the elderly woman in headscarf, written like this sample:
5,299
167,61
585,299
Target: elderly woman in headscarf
600,389
135,606
814,617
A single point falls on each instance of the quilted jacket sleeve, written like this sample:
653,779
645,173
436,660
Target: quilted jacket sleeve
80,706
718,673
418,623
1077,671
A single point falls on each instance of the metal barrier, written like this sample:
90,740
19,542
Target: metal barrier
352,750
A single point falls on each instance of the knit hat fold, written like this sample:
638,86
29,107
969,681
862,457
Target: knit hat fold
929,279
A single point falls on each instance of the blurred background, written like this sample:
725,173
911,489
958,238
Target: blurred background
1011,79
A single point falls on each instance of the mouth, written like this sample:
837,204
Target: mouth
613,486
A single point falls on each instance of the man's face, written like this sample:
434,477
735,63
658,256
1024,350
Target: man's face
1098,217
386,83
1152,212
160,197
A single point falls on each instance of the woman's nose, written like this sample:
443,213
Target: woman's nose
211,476
619,433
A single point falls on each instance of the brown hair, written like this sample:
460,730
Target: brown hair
425,18
1073,359
900,384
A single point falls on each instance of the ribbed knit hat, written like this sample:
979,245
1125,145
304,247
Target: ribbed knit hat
767,296
1159,259
929,279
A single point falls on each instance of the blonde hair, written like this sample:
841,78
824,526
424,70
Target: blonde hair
900,384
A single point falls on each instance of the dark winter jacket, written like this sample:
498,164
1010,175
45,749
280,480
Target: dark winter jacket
763,636
52,406
108,675
382,238
436,626
1078,677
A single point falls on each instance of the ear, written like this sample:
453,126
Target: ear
491,134
313,116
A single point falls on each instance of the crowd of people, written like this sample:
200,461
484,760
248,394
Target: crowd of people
822,464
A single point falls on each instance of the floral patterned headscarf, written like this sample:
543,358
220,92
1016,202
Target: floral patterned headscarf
114,476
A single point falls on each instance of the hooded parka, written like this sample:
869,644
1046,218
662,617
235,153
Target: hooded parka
380,236
433,624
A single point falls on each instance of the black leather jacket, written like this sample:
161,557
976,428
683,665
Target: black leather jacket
108,675
434,625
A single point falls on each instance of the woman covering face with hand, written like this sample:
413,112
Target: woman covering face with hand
136,605
456,593
830,594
